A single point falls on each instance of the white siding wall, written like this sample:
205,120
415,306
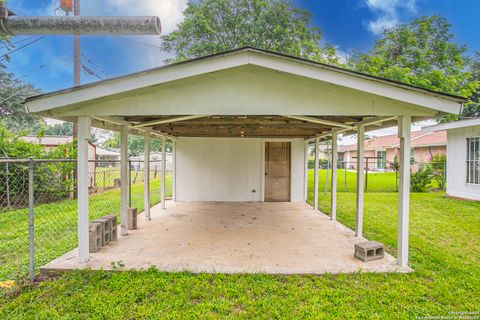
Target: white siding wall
228,169
456,163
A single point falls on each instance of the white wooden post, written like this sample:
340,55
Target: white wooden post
124,179
360,179
306,172
334,177
84,135
146,176
404,133
164,163
315,173
174,170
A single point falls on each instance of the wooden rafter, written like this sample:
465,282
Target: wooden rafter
168,120
320,121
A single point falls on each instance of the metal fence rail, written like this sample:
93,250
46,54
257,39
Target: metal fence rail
38,207
377,178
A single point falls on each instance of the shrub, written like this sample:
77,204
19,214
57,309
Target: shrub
439,163
322,163
53,181
421,180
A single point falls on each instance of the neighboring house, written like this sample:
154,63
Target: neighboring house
384,149
323,151
155,161
463,153
49,142
107,155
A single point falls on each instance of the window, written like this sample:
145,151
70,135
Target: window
381,159
473,160
412,156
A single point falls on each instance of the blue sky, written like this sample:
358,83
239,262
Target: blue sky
345,24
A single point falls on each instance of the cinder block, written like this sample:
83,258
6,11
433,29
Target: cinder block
94,237
113,226
369,250
106,229
132,219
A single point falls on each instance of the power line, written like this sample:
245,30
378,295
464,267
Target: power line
66,62
20,48
16,42
94,65
43,66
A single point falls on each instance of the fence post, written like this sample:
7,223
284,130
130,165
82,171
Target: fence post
345,178
31,229
444,176
130,183
326,174
8,183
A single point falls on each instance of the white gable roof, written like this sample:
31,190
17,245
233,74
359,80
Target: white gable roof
453,125
242,57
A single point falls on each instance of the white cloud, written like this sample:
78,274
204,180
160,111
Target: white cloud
342,55
388,13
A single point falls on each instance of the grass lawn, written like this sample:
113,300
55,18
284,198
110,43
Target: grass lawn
56,227
444,251
377,181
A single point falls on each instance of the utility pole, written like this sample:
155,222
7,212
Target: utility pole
76,48
13,25
76,61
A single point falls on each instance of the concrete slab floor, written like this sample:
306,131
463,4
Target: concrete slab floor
273,238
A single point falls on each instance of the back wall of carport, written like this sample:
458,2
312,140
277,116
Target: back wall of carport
229,169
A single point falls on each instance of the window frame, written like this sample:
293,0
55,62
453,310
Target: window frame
382,160
473,161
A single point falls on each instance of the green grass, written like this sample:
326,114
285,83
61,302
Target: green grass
444,251
377,181
56,227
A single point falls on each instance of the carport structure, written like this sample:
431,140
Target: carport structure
240,123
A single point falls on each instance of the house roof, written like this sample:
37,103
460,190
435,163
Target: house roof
453,125
105,152
48,140
419,139
265,52
244,92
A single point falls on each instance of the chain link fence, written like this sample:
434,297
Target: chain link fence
38,207
379,177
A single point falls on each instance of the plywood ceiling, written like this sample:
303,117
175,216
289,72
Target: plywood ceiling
242,126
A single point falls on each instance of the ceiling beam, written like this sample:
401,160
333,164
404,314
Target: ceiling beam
365,122
320,121
168,120
116,122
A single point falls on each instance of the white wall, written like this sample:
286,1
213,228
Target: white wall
456,163
228,169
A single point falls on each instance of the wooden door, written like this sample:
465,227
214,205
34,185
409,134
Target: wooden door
277,171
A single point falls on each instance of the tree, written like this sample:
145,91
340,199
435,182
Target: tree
212,26
420,53
472,109
12,113
59,129
135,144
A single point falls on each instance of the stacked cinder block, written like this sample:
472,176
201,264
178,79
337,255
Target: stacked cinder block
95,237
113,226
102,231
105,224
